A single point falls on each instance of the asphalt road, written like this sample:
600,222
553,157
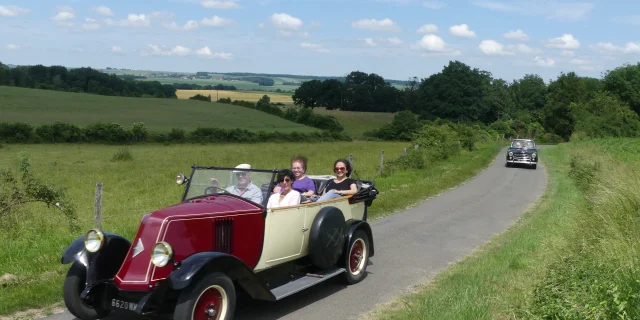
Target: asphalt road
412,246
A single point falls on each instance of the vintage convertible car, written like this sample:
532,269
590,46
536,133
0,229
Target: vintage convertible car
192,259
523,151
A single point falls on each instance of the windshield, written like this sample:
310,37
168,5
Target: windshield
250,184
522,144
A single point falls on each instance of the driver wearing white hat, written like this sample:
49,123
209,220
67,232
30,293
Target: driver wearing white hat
245,188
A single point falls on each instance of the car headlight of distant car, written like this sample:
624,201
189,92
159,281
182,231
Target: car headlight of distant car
93,240
161,254
534,155
510,154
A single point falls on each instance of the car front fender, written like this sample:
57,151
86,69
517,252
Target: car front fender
102,264
355,225
210,261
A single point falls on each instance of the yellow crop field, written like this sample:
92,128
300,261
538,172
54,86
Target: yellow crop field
252,96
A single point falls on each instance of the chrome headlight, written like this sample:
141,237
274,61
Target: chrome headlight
93,240
510,154
181,178
534,155
161,254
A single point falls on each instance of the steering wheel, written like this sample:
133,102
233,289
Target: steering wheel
212,190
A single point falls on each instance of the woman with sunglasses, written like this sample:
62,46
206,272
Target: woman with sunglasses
341,185
286,196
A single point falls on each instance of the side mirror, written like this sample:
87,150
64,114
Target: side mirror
181,179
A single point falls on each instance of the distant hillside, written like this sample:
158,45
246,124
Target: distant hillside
37,106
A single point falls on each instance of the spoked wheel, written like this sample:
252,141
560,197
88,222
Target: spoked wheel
74,284
211,298
357,257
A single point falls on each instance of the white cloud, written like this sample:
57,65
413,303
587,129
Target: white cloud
285,21
13,47
314,47
376,25
369,42
516,35
175,51
567,53
63,16
608,47
261,25
435,45
117,49
566,41
133,20
542,62
190,25
523,48
433,4
289,33
427,28
394,41
12,11
462,30
105,11
207,53
550,9
216,21
90,24
579,61
214,4
493,48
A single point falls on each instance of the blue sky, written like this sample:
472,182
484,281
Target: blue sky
396,39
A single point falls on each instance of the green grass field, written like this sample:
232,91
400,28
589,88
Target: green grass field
575,255
36,106
38,235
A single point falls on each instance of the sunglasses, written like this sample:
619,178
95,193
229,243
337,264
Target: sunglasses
336,169
241,174
287,180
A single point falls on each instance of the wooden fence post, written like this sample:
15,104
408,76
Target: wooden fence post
97,206
404,151
381,162
351,162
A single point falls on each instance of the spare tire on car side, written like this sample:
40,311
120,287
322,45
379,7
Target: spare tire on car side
326,237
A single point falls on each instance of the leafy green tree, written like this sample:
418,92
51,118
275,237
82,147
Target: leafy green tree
624,82
308,94
606,116
530,92
456,93
567,89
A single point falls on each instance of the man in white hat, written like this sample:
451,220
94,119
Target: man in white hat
245,188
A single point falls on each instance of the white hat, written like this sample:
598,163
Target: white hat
242,166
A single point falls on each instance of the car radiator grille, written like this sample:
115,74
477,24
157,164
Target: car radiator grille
521,157
223,231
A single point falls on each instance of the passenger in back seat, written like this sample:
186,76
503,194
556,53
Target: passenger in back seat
341,185
302,183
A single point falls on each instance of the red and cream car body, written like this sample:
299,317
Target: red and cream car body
191,259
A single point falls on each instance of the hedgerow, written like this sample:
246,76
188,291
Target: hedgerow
114,133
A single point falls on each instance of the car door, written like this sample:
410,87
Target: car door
285,234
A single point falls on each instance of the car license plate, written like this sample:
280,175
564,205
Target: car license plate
126,305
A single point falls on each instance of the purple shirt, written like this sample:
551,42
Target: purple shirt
303,185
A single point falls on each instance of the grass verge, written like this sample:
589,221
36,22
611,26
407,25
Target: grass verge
33,244
573,256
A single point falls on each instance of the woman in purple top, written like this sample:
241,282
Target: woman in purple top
302,184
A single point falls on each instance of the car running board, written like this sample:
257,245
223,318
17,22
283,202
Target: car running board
305,282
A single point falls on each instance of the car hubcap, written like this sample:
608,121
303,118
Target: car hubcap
356,257
212,304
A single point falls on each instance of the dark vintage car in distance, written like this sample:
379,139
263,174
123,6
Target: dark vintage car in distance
192,259
523,151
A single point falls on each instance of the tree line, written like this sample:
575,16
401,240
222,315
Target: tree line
193,86
84,80
461,94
